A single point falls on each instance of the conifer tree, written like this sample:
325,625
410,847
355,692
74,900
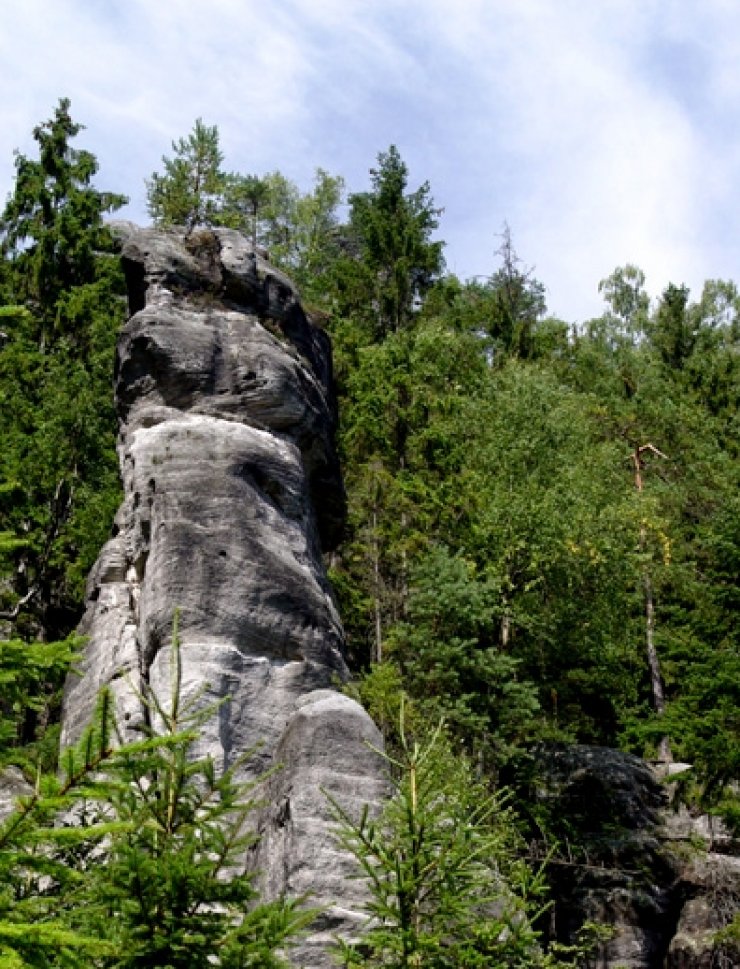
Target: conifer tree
190,191
443,861
63,293
132,855
171,889
395,260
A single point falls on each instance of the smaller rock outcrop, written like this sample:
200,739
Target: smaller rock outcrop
707,859
635,860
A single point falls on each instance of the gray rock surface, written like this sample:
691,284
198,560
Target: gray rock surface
664,880
329,749
232,491
13,786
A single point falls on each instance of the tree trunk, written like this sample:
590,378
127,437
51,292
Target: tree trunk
377,655
657,688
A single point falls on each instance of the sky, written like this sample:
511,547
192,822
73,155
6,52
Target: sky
602,132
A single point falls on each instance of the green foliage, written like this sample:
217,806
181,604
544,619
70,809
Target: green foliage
169,892
449,649
515,303
300,230
189,191
27,670
42,861
498,546
624,292
53,236
145,871
394,262
245,197
63,287
446,889
443,863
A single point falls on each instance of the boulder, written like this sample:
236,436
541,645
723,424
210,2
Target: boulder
607,809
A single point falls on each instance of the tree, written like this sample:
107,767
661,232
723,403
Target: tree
245,196
443,860
446,887
53,239
312,248
39,859
64,293
26,670
516,303
665,386
190,191
128,858
400,460
393,260
454,664
171,890
673,329
629,303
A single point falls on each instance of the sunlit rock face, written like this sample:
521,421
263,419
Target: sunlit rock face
232,490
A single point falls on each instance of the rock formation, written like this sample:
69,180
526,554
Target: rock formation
232,491
664,880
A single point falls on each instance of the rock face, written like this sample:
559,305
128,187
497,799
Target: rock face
232,491
707,860
663,880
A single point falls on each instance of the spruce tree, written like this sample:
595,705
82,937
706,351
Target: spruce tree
391,260
62,290
443,860
132,855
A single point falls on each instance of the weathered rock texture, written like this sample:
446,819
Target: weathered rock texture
664,880
231,492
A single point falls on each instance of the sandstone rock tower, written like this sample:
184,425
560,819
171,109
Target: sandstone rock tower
232,490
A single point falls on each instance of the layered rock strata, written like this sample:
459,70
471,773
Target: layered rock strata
232,491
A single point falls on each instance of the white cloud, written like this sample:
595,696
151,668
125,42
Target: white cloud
602,132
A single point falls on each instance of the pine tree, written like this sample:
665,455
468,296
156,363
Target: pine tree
190,191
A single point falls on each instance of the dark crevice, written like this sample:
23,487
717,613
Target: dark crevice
136,285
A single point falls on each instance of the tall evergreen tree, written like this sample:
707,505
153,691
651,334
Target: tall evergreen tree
52,237
517,303
392,260
63,290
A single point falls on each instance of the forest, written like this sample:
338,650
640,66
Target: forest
543,536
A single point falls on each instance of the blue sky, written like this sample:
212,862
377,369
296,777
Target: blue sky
602,132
